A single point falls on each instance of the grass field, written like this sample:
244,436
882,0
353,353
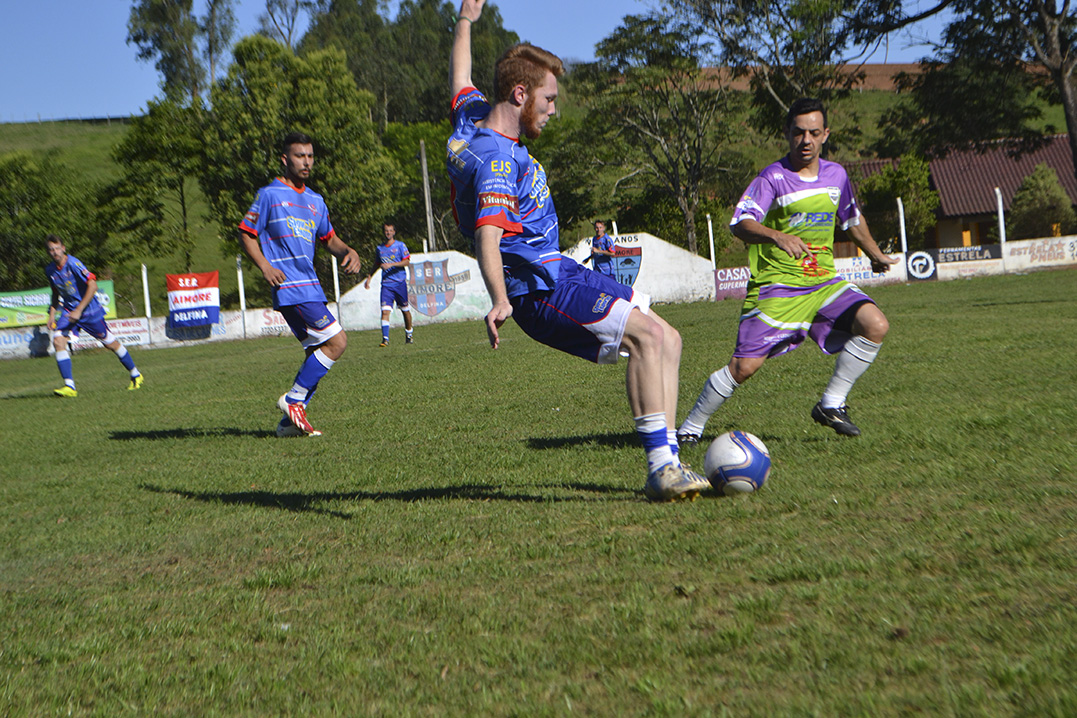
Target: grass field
470,535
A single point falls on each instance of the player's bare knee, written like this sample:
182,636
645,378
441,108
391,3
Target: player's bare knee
744,368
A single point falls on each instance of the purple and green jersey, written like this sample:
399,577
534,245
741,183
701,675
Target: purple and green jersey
70,282
287,222
496,182
810,209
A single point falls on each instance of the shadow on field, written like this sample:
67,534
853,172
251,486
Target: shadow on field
614,441
193,433
294,501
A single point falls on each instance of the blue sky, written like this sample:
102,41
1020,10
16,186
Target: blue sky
69,58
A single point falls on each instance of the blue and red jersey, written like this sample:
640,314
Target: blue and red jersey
287,221
70,281
495,181
387,254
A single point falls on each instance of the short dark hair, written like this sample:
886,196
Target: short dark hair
295,138
55,239
804,106
387,223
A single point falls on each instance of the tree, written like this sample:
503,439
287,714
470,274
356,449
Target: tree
402,143
217,27
40,196
280,21
151,203
1040,207
909,179
167,32
652,93
269,92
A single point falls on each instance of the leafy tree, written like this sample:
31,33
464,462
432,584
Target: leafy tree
280,21
269,92
160,155
40,196
909,179
402,143
167,31
218,26
652,94
403,61
1040,208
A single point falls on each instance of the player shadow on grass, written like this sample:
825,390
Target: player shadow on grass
306,502
191,433
613,441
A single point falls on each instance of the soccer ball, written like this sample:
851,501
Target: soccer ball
737,463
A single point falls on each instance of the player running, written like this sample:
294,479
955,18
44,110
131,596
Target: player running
73,288
787,218
278,234
395,259
502,203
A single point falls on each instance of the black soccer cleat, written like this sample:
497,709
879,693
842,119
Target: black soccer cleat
836,419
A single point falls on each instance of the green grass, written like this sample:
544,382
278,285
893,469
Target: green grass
470,537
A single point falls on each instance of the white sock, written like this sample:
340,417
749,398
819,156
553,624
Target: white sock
718,387
851,363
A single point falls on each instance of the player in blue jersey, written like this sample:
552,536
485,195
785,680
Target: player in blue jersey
502,202
787,217
279,233
602,253
73,289
394,259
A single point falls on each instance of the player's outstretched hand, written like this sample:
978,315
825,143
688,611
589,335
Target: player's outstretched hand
881,265
471,9
274,276
351,263
497,316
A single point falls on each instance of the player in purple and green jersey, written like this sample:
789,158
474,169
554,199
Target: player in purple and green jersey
279,233
394,259
73,289
787,216
502,202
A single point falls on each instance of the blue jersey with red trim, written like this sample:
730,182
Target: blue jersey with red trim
286,222
70,282
495,181
388,254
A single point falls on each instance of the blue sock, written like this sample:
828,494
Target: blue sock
654,435
314,368
63,361
385,331
126,360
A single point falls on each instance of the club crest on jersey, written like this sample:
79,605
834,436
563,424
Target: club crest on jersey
431,288
834,193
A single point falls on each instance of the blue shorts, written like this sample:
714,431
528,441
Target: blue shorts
585,314
97,328
311,322
397,293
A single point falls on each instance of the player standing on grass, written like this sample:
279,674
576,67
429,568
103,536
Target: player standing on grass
787,218
73,288
278,233
395,259
602,253
502,203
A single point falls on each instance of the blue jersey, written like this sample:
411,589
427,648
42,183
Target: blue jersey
286,222
395,252
70,282
496,182
602,263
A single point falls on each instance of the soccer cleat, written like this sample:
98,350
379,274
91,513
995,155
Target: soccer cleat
409,340
297,414
65,391
286,428
384,343
136,383
672,482
837,419
687,438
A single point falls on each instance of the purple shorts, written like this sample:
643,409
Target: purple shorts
311,322
395,293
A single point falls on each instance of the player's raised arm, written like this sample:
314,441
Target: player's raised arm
460,60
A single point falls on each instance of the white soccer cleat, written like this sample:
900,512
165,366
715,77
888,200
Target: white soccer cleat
296,415
672,482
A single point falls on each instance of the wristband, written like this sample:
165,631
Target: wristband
463,17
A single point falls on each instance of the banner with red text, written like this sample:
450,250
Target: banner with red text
193,299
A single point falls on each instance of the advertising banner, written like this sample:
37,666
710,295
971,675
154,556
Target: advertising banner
31,306
194,300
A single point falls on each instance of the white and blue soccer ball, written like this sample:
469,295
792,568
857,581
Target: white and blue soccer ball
737,463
